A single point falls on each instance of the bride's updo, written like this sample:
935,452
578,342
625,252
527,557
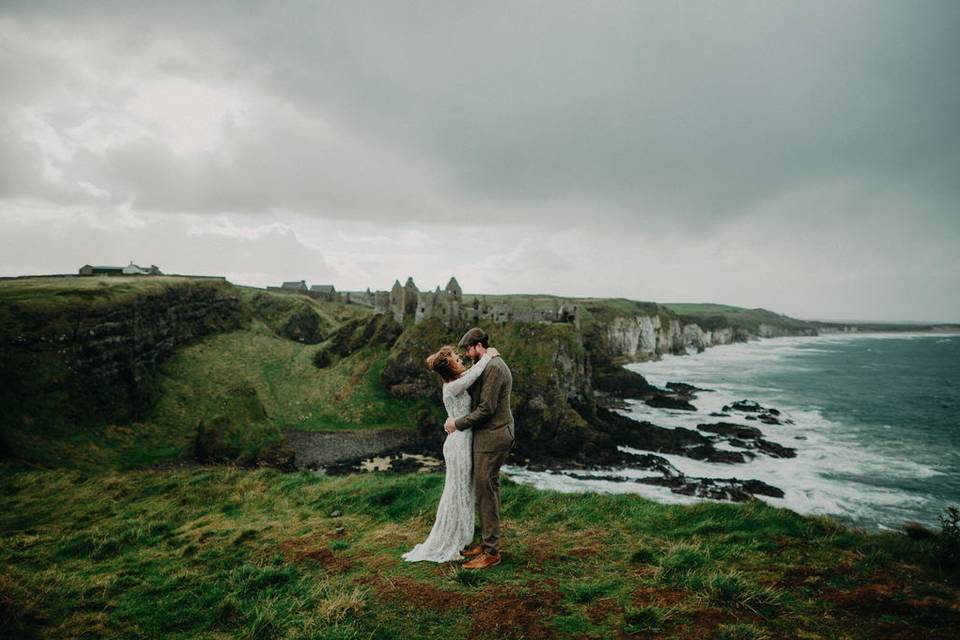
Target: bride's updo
446,363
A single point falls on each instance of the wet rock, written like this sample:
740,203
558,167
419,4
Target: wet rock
665,401
729,489
710,454
731,429
683,387
767,415
775,450
743,405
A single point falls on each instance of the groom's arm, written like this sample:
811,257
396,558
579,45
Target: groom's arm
489,398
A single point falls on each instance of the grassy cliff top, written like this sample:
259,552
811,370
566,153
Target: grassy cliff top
716,316
76,293
218,553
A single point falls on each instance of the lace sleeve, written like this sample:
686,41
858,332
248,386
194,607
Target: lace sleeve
461,384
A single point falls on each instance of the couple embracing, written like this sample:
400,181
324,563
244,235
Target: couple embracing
480,434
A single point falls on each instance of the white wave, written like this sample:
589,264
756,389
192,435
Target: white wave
565,484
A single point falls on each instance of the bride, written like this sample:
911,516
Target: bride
453,526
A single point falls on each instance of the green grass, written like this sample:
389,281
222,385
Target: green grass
219,552
247,384
56,294
719,316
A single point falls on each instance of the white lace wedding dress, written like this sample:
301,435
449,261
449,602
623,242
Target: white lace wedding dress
453,526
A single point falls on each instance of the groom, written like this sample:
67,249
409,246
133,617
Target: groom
492,425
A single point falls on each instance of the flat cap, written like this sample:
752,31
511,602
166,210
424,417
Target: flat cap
473,336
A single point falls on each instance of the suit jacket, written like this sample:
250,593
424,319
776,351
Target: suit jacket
490,416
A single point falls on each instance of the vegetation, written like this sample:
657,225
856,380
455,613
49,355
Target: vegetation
242,385
217,552
101,543
721,316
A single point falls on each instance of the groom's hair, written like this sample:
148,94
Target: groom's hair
474,336
442,363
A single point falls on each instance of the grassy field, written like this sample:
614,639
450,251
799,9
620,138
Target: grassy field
718,316
225,553
50,294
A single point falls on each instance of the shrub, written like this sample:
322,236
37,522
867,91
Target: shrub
639,620
643,555
949,539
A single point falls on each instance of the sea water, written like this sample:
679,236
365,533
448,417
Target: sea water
876,423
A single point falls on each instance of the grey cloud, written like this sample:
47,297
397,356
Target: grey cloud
698,111
738,152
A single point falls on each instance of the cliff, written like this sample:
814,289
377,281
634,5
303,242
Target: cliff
74,352
138,370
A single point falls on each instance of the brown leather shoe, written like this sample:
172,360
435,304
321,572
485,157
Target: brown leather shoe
482,561
472,552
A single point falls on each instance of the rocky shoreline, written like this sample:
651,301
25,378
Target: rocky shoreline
635,447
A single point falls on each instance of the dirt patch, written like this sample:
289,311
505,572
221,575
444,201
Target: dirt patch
311,549
657,596
889,597
601,609
702,624
540,549
500,612
802,576
414,593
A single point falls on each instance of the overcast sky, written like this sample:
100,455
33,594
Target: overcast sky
802,157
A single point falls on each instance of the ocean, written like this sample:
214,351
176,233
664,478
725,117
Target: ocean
877,423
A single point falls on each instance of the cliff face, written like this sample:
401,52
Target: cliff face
638,338
75,363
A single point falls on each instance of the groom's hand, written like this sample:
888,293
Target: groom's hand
450,426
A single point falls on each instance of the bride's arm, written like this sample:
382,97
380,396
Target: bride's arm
463,383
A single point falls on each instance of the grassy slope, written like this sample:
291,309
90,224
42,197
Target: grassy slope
714,316
221,553
216,376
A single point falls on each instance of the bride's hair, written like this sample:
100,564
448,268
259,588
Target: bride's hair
446,363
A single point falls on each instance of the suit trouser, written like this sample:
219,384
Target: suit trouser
486,483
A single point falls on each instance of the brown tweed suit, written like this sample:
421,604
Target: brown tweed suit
492,424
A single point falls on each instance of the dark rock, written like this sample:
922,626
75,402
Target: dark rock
683,387
710,454
750,417
731,429
665,401
743,405
718,414
303,326
730,489
651,462
278,455
775,450
405,465
322,359
621,383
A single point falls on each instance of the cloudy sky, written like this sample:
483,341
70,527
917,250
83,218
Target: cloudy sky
803,157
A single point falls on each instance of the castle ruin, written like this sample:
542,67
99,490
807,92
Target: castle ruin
449,305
